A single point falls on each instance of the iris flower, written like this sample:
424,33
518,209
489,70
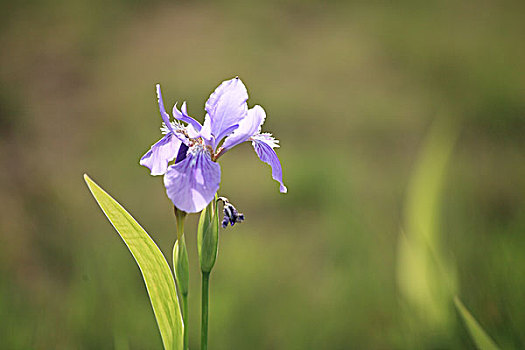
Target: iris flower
194,177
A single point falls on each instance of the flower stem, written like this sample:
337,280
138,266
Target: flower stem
204,310
182,276
181,267
185,320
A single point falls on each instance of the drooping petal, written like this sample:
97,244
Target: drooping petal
264,145
248,127
227,107
160,154
192,183
183,115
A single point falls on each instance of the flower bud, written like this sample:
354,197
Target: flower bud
180,255
180,260
231,215
208,237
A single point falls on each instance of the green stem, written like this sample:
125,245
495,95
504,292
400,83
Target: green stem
204,310
180,265
185,320
179,216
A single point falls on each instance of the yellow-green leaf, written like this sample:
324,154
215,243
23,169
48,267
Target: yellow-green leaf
480,338
426,276
154,267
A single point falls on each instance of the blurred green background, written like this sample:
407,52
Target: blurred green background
401,125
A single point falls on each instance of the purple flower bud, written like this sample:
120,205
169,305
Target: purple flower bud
231,215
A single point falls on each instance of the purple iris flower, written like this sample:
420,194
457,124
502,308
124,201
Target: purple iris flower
193,178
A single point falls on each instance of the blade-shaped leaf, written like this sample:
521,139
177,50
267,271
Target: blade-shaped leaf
482,340
154,267
426,276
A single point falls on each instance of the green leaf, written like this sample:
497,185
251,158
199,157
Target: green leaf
481,339
155,270
422,207
208,237
426,276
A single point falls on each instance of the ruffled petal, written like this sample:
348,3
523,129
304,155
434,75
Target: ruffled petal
160,154
226,108
192,183
264,145
248,127
183,116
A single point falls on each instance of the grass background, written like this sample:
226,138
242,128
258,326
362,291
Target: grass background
352,90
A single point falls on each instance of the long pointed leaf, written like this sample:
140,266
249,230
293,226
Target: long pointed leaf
426,276
482,340
155,270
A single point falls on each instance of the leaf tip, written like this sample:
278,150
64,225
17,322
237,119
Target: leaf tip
89,181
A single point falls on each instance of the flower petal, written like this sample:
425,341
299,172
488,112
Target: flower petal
205,132
227,107
181,155
192,183
160,154
248,127
263,145
185,117
165,116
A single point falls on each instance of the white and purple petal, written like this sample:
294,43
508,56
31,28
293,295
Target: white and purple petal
226,108
264,145
161,153
183,116
165,116
167,125
192,183
205,132
248,127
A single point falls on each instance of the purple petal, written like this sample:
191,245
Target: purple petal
181,155
263,145
205,132
185,117
192,183
248,127
160,154
165,116
227,107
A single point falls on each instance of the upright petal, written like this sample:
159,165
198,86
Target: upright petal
164,115
160,154
248,127
183,115
227,107
263,145
192,183
205,132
